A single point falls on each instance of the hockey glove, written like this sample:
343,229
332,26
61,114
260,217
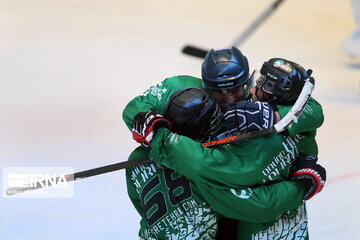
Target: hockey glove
313,175
247,116
145,125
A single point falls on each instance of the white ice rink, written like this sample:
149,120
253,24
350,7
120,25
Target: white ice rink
68,68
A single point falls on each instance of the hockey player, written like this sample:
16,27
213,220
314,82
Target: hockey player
229,65
174,208
225,74
230,166
279,82
279,85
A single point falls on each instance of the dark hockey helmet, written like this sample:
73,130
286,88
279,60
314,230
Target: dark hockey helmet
193,113
283,80
225,69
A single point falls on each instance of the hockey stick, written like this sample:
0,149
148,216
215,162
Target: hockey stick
280,126
201,53
81,175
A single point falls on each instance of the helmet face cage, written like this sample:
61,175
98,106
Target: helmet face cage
267,85
215,123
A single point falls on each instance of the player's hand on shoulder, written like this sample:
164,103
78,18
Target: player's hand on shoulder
145,125
310,173
245,116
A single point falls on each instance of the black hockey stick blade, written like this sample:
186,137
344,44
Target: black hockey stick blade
194,51
83,174
199,52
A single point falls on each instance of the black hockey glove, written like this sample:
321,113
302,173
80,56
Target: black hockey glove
313,175
247,116
145,125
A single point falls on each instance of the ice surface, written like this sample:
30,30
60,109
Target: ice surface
68,68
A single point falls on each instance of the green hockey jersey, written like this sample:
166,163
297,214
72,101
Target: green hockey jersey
231,198
173,207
